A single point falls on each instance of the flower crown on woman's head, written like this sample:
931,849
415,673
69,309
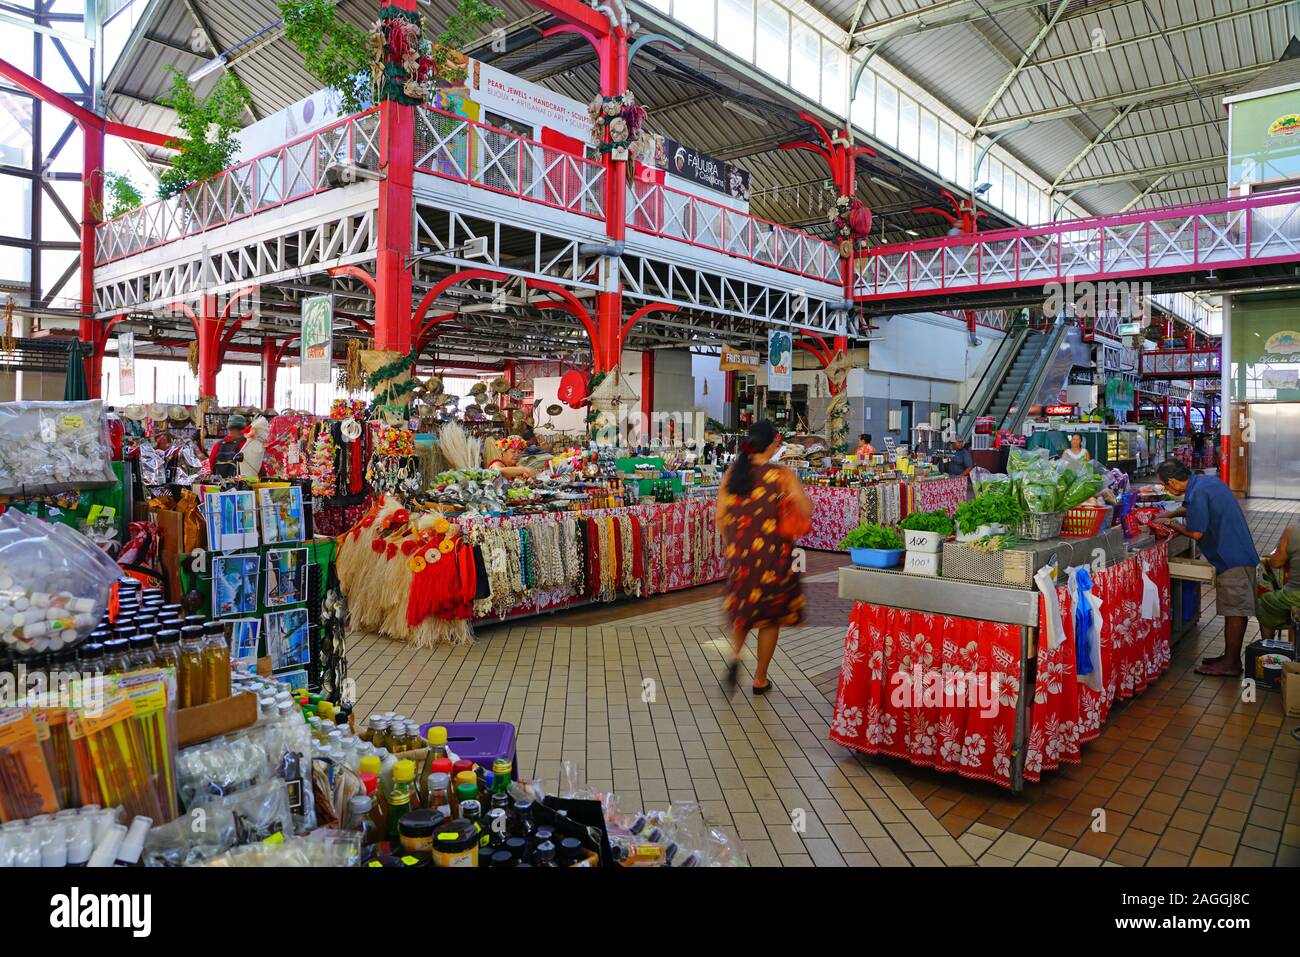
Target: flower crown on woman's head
512,443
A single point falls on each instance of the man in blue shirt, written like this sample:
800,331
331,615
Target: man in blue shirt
1214,520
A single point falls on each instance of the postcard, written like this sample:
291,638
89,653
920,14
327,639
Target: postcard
234,585
288,640
242,635
286,576
282,519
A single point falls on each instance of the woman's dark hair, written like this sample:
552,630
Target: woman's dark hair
865,437
1173,469
740,477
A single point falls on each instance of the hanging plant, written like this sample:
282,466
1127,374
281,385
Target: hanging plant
208,126
394,60
121,195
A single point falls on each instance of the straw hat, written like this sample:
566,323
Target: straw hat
178,413
434,385
478,388
135,412
157,411
554,408
491,408
500,385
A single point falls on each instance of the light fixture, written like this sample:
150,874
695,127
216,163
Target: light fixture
216,63
886,184
982,188
742,111
911,232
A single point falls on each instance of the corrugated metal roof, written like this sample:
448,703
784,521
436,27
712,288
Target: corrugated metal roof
1164,66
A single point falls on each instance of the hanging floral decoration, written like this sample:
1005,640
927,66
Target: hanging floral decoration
400,60
618,126
852,221
387,390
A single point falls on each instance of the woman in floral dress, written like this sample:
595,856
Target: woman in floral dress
763,590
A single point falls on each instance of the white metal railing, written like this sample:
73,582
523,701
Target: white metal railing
662,211
454,147
283,175
1232,232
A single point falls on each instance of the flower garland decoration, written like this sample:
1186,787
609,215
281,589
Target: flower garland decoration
387,390
618,126
324,481
852,222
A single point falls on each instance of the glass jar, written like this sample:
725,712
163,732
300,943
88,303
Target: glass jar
191,687
216,662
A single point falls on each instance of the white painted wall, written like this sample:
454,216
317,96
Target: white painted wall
706,369
570,420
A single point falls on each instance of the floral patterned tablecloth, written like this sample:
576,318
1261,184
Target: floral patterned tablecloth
835,514
942,691
944,494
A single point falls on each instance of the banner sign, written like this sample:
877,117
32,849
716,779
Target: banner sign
739,360
126,362
689,163
780,361
1119,395
317,340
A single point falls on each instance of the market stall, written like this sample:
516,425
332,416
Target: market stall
973,679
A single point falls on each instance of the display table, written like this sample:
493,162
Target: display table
839,510
952,691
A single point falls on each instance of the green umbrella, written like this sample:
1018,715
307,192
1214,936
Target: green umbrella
74,383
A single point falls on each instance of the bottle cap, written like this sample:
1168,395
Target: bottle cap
106,850
129,850
360,804
466,777
369,781
437,735
370,764
404,771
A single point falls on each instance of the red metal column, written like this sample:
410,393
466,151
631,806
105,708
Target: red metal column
209,346
92,205
396,196
270,367
647,393
607,352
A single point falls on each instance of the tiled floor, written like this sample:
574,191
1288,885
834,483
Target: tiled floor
1187,774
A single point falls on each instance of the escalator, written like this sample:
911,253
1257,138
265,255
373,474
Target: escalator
1028,368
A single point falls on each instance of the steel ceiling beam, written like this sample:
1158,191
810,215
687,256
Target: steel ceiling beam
1176,92
1024,61
1150,188
942,13
1130,175
1096,141
1185,27
201,24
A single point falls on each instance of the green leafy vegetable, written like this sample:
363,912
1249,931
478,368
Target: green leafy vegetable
936,521
871,535
995,504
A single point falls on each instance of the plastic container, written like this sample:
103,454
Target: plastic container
922,541
876,557
1085,521
455,844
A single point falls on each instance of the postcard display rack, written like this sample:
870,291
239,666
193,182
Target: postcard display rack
264,575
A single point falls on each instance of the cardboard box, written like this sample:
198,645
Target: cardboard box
1291,689
1191,569
220,717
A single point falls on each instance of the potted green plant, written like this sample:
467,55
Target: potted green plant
873,546
926,531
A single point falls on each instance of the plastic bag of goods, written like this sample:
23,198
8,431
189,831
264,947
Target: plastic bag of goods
54,584
52,446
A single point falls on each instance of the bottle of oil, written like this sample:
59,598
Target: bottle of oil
191,688
216,661
399,802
